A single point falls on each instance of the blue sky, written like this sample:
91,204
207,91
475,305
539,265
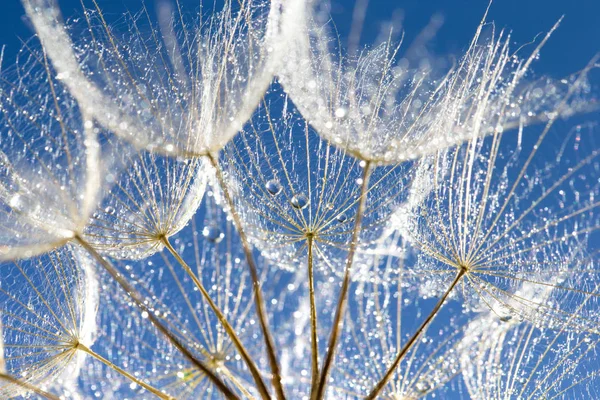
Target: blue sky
576,41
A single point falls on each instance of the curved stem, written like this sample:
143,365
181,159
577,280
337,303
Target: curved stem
28,386
390,371
137,299
236,382
258,296
126,374
341,306
313,319
228,328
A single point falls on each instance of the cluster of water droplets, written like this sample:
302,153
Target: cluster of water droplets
149,150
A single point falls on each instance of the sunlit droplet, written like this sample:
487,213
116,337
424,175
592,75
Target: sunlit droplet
273,187
299,201
15,201
422,386
340,112
213,234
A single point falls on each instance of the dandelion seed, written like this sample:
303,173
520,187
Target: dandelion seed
148,84
53,309
481,219
313,193
192,318
378,110
152,199
482,226
517,360
51,175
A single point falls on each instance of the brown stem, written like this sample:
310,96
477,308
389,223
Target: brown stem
28,386
126,374
228,328
258,296
390,371
313,318
137,298
236,382
341,306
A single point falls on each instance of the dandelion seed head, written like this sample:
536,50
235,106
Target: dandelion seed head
53,310
147,82
153,198
488,215
305,190
379,109
50,169
406,225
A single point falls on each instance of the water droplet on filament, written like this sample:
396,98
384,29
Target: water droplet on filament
299,201
273,187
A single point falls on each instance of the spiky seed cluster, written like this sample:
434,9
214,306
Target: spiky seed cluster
369,226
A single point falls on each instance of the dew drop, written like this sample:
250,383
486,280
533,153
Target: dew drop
110,210
15,201
299,201
422,386
340,112
341,218
505,318
213,234
273,187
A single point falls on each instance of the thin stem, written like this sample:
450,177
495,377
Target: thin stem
236,382
126,374
228,328
341,306
28,386
313,318
137,298
390,371
258,296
